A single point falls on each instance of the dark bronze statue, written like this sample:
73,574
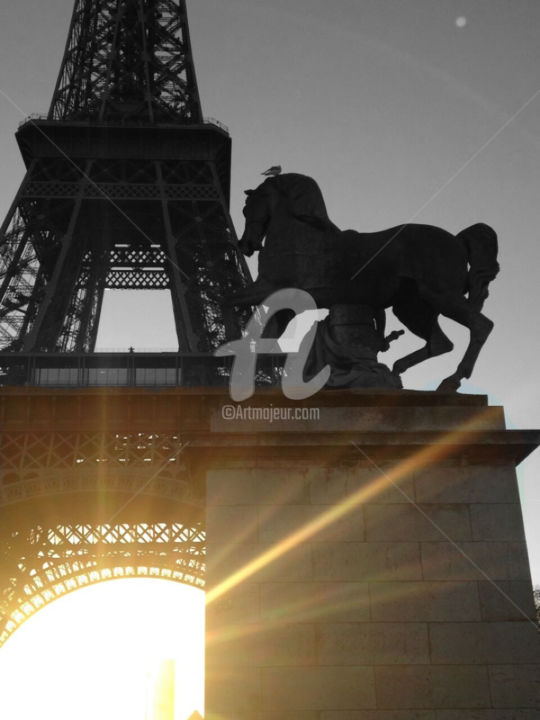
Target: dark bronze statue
419,271
349,340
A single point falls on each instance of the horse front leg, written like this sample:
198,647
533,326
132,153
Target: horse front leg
421,319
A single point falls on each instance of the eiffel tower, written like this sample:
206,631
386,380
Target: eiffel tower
127,187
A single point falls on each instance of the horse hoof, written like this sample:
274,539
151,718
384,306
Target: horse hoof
449,385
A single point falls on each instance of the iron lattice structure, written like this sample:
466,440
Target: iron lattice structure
43,562
88,495
128,59
56,538
126,187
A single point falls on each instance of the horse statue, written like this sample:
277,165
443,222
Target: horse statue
419,271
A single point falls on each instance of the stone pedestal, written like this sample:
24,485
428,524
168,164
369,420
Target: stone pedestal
371,564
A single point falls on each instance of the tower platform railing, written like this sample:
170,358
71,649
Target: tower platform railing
127,369
43,118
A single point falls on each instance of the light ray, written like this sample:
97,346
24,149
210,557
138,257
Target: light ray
424,457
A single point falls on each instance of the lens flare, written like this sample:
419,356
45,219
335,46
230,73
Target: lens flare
120,649
419,460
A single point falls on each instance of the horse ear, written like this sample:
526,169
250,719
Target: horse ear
249,192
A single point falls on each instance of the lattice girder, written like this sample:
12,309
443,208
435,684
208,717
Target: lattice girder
37,464
126,186
120,225
85,496
40,563
124,143
29,241
128,60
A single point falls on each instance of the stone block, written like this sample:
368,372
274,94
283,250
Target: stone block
498,560
331,488
378,616
278,522
268,715
285,486
263,645
261,485
398,419
497,522
284,715
317,688
515,686
372,643
361,561
379,715
343,483
424,601
471,484
232,690
315,601
506,600
408,687
231,525
432,687
488,715
394,523
230,486
484,643
257,563
240,605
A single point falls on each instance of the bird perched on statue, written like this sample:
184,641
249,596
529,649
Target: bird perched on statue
274,170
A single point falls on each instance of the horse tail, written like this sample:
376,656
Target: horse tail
481,243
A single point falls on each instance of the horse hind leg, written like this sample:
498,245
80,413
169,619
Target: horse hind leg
457,308
480,327
421,320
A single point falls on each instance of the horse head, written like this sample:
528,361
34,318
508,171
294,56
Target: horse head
295,195
257,210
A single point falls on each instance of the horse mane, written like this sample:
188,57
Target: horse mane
305,198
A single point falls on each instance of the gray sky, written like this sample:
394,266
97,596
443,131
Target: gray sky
382,102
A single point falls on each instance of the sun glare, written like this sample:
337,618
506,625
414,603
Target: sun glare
120,650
